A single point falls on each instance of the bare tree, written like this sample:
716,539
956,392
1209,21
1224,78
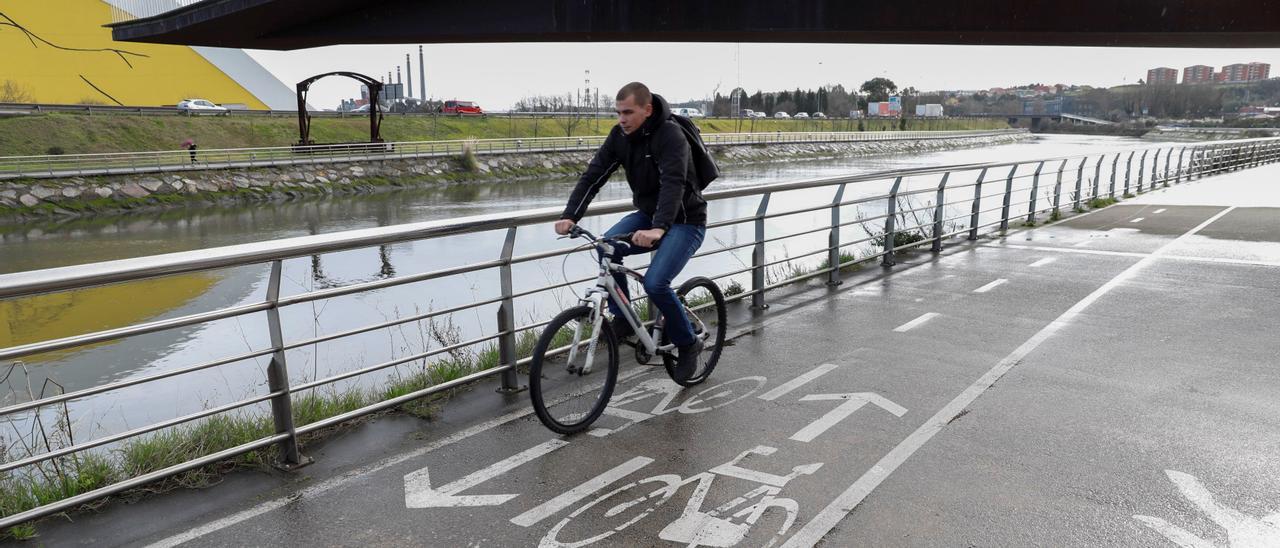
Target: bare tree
12,92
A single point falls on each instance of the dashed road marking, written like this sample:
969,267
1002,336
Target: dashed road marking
1043,262
990,286
797,382
572,496
1158,211
915,323
1138,220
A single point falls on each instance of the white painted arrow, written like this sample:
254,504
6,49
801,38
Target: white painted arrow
418,492
854,402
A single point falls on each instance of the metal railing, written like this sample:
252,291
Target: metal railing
961,202
78,165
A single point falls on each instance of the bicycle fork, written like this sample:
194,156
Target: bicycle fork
597,316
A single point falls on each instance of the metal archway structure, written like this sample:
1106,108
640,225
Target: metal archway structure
375,109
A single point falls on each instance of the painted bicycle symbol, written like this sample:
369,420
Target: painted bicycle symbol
722,526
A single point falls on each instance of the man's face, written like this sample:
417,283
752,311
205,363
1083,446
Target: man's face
630,115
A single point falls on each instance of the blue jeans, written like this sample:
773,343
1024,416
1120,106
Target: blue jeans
673,252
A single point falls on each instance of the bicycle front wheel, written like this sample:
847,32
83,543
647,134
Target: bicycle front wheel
704,304
568,391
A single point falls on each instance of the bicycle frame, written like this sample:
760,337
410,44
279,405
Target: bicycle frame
607,288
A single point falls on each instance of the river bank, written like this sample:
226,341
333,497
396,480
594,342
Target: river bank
22,200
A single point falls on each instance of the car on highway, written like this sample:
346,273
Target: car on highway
819,115
801,115
461,108
781,114
191,107
362,108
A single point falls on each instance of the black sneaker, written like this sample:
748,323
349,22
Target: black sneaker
687,361
621,328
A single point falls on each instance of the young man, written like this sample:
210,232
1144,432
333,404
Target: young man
672,215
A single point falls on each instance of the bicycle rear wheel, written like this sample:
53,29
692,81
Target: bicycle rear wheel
704,304
565,399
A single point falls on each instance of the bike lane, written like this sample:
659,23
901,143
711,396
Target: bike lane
1149,420
791,418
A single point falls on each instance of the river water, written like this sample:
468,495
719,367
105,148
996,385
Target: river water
52,244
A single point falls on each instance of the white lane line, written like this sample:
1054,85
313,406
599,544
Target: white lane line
991,286
572,496
1043,262
1083,243
344,479
1191,258
798,382
1138,220
820,525
915,323
1158,211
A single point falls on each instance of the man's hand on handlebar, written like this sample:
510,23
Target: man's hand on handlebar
563,226
647,238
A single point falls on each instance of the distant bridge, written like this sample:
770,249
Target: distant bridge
1036,119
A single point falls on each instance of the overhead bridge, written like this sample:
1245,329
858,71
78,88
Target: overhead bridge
295,24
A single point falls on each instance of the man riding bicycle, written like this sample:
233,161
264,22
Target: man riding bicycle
672,215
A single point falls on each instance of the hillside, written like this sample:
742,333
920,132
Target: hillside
78,133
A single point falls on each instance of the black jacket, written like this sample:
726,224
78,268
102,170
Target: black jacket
659,171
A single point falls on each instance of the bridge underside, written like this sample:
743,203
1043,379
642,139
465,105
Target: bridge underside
294,24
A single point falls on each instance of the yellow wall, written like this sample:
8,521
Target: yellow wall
165,76
68,313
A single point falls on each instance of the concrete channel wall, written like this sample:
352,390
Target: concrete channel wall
21,199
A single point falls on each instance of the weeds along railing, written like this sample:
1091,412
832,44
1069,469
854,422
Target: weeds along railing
77,165
959,201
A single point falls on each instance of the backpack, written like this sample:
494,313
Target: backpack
703,164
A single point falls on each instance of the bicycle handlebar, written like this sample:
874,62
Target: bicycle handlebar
579,232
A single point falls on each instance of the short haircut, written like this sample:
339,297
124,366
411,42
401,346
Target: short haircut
637,90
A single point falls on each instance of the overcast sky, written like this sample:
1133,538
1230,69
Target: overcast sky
497,75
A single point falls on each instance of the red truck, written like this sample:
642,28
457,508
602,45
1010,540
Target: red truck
461,107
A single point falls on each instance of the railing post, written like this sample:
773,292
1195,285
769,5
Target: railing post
1168,158
1114,164
278,379
1035,193
1079,184
1057,191
1008,198
890,232
1155,160
1142,170
833,238
758,258
977,205
1097,175
1128,172
937,214
507,319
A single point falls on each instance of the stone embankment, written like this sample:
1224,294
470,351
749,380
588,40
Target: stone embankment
21,199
